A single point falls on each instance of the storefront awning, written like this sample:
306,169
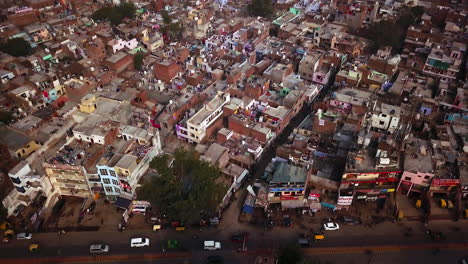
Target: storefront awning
122,202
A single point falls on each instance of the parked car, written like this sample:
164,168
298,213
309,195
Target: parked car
330,226
211,245
348,220
24,236
303,241
239,237
99,249
139,242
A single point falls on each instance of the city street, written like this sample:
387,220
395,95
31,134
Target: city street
393,236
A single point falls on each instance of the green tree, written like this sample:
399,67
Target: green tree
138,61
166,17
3,213
290,254
398,28
6,117
127,9
263,8
185,189
16,47
115,14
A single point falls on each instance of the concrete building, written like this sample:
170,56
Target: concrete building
386,117
29,186
289,182
198,124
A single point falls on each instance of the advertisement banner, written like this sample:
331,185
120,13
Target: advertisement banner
445,182
345,200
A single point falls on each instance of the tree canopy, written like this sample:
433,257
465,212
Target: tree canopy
392,33
138,61
115,14
16,47
263,8
184,189
291,254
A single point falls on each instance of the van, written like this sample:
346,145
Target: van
98,249
449,204
211,245
139,242
443,203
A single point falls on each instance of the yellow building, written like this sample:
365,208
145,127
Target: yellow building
17,144
88,104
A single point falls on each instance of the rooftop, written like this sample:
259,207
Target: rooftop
286,173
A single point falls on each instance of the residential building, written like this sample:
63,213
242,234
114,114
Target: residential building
197,125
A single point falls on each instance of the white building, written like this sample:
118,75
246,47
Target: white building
119,44
386,117
28,186
197,124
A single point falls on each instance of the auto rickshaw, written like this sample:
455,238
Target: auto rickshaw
418,203
34,248
443,203
8,236
319,236
156,227
180,228
449,204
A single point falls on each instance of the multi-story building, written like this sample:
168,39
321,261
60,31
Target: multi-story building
385,117
29,186
198,124
289,182
445,63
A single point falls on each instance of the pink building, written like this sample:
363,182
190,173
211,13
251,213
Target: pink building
415,182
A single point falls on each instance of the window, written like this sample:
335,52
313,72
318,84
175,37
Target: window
112,173
286,193
106,181
277,194
407,178
381,123
20,189
115,182
109,189
426,177
103,172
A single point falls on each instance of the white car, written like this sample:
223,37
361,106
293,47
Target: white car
211,245
24,236
99,249
331,226
139,242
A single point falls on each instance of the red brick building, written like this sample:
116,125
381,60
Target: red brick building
119,62
95,49
166,70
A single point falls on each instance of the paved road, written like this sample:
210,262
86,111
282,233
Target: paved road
390,235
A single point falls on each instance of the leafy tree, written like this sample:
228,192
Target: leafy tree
398,28
263,8
138,61
290,254
127,9
16,47
5,117
3,213
166,17
185,189
115,14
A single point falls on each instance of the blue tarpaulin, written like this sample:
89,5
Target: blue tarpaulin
247,209
328,205
122,202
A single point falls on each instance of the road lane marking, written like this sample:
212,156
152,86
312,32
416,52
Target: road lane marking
96,259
